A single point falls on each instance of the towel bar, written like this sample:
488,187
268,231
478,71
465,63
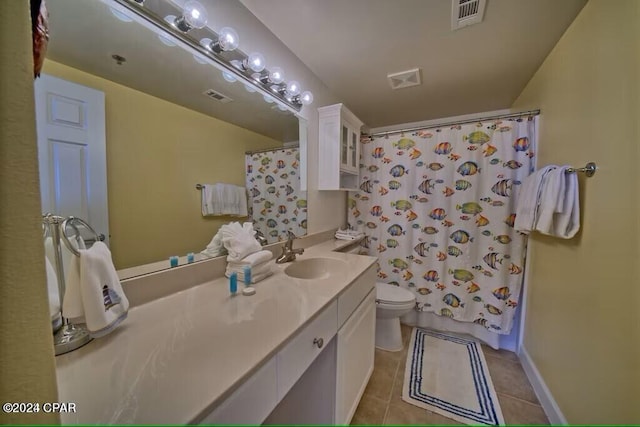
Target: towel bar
589,169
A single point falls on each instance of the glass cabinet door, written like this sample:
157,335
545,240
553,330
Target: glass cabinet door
344,147
354,151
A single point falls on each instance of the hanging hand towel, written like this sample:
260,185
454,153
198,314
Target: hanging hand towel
54,295
103,300
528,200
224,199
567,218
550,201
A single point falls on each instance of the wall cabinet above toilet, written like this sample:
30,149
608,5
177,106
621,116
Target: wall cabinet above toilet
339,148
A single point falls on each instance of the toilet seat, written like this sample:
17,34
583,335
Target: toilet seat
393,295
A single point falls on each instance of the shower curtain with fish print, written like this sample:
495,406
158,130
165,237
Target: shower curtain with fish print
438,208
276,204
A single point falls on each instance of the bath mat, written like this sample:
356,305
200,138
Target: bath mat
448,375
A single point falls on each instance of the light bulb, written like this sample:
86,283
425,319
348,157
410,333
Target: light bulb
194,15
306,98
255,62
228,39
249,88
228,76
276,75
293,88
268,99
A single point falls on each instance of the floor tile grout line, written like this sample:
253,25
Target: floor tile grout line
519,399
393,383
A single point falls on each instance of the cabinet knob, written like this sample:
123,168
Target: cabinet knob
318,342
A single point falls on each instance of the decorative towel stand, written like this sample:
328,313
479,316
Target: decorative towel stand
70,336
589,169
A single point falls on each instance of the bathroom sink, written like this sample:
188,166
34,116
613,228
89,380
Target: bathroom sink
316,268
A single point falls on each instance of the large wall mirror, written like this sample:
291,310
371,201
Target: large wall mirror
172,121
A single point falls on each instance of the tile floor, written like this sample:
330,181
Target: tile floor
382,400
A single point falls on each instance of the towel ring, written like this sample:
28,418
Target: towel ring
69,221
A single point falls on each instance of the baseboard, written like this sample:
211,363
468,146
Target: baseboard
545,397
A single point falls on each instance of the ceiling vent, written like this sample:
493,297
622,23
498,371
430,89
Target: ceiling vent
466,12
217,96
404,79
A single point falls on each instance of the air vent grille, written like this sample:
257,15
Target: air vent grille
404,79
466,12
213,94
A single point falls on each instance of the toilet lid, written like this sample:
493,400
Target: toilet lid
393,294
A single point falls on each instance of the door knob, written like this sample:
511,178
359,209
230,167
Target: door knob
318,342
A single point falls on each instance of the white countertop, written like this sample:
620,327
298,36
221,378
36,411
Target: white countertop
176,358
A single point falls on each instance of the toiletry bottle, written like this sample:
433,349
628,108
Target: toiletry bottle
247,275
190,257
233,284
173,261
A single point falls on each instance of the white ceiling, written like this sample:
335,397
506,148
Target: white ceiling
84,34
351,45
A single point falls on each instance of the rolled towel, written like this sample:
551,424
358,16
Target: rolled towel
255,278
256,269
255,258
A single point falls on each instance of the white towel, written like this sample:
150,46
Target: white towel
255,278
215,247
254,259
528,199
552,192
255,270
567,217
94,291
54,295
239,240
224,199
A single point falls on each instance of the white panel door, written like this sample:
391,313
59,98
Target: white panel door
71,151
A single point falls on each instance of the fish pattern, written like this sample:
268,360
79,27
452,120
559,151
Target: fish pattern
442,202
275,204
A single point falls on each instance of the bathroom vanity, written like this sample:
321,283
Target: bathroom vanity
298,351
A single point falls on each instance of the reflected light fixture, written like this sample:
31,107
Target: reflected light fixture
228,76
194,15
120,15
306,98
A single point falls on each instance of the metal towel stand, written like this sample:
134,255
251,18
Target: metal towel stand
70,336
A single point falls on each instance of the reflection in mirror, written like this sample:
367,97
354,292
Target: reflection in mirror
277,205
165,132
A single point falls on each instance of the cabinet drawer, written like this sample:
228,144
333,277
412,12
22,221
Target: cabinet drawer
353,296
252,402
298,354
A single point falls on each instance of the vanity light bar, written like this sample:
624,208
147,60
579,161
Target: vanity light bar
154,21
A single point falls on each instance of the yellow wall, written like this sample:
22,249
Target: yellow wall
156,153
27,367
582,326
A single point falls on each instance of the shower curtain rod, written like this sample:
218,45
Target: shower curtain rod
266,150
460,122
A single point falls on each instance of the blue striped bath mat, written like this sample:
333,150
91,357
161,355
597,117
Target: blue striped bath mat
449,375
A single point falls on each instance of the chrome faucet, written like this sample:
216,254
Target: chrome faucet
288,253
261,239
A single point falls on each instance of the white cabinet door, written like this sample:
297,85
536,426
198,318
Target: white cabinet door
70,121
355,353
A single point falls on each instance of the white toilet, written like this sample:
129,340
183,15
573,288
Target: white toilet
392,302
